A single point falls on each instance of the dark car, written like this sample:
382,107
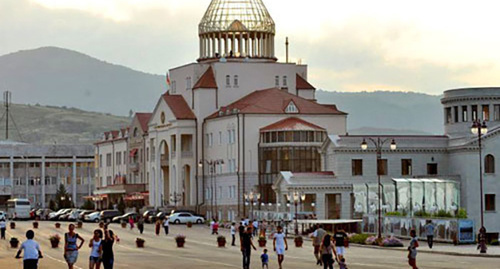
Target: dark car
108,215
125,217
149,216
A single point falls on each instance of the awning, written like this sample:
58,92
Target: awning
422,180
108,191
133,152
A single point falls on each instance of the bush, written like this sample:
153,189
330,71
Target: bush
359,238
495,242
462,213
422,213
393,213
443,214
392,241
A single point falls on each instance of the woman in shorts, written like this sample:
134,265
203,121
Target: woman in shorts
96,250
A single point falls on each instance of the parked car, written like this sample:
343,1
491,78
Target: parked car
178,218
59,213
149,216
186,211
85,213
74,214
43,213
108,215
92,217
125,217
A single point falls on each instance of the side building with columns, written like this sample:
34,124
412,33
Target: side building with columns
36,171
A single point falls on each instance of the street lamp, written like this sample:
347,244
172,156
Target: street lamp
213,183
252,198
379,143
297,198
480,129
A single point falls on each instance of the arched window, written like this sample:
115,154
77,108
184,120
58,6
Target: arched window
489,164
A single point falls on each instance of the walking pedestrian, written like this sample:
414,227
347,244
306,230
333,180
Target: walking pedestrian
108,257
157,227
70,246
255,226
340,241
328,252
412,250
265,259
317,236
131,222
140,224
246,246
95,246
216,228
233,233
165,225
280,245
3,226
31,250
429,231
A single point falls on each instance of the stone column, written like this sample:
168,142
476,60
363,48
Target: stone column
42,182
73,182
219,43
321,205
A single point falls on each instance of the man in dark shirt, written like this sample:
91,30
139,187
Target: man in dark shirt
340,240
246,247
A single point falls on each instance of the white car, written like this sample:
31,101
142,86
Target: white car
93,217
177,218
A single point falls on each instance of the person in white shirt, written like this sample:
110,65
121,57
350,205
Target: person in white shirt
3,225
32,251
96,250
233,233
165,225
255,225
280,245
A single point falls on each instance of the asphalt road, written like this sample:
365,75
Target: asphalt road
201,251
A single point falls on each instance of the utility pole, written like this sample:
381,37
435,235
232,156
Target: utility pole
7,98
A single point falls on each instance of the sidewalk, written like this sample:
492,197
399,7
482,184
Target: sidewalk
446,249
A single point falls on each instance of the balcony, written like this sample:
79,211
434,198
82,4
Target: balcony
164,160
134,167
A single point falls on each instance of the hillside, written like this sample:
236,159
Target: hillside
45,125
61,77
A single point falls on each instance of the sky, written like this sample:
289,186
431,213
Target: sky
357,45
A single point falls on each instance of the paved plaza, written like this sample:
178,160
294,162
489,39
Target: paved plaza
201,252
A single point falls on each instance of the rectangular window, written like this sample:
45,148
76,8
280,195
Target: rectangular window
285,83
357,167
432,169
228,81
489,202
124,157
100,160
118,158
188,83
277,81
465,114
236,81
406,168
486,112
220,138
108,159
497,112
448,114
474,113
455,114
382,167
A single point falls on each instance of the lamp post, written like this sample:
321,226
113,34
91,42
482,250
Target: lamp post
481,129
252,198
379,143
212,164
297,198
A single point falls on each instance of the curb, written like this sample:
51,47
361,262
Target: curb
431,252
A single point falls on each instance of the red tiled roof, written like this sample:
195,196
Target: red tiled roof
179,107
143,119
292,124
207,80
302,84
275,101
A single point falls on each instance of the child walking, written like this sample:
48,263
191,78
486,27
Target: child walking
342,264
265,259
31,250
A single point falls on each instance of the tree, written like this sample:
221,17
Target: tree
62,198
52,205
